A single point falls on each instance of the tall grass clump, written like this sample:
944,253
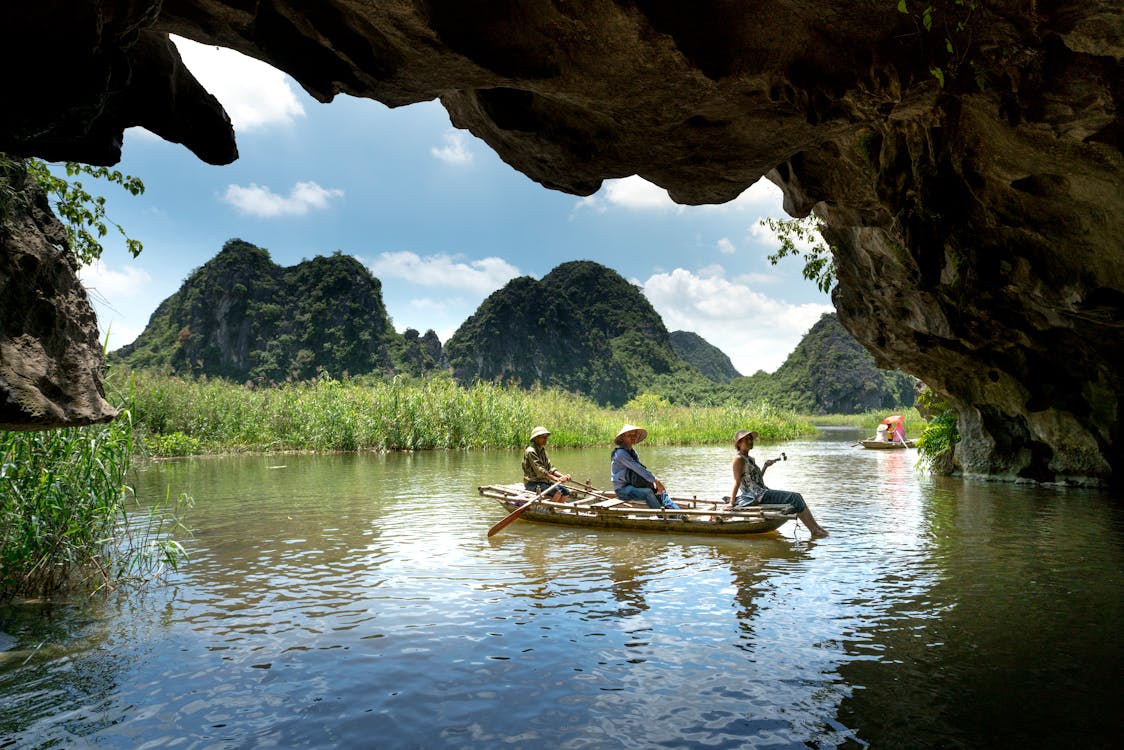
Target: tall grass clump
65,512
178,416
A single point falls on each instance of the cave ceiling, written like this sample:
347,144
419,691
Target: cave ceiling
965,159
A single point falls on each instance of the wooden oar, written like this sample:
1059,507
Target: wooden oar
589,489
519,511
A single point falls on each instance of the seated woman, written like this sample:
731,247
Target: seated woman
749,485
631,479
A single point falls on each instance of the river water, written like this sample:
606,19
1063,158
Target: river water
355,601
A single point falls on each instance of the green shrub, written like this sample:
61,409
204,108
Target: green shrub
65,512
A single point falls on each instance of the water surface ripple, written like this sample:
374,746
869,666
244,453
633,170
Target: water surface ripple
356,602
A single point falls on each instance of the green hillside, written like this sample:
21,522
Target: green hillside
829,372
703,356
243,317
582,328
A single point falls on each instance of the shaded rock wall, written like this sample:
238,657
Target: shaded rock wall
968,162
50,358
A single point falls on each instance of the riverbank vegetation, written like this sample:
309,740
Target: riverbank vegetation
68,518
178,416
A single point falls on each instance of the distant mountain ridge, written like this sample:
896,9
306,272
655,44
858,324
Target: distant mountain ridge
829,372
583,328
243,317
704,356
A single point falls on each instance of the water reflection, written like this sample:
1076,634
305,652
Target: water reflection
331,600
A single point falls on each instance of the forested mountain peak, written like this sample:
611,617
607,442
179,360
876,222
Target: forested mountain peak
829,372
582,327
243,317
704,356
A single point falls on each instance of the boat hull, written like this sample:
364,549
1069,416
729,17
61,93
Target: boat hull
886,444
605,511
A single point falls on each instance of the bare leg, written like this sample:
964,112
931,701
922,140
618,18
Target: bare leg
818,531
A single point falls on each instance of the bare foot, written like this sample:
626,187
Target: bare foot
819,533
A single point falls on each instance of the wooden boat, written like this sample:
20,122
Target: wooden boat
887,444
603,510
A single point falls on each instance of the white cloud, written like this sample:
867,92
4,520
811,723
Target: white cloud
757,332
455,150
254,94
99,279
118,297
637,194
725,246
257,200
482,276
633,193
760,197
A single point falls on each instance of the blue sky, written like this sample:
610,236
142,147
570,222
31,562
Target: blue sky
437,217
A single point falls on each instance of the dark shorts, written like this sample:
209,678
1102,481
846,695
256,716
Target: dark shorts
775,497
539,487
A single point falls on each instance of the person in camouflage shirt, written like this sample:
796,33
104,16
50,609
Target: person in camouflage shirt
538,473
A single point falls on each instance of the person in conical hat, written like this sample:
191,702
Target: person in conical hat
631,479
538,473
749,485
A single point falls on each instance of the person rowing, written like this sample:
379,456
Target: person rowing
538,473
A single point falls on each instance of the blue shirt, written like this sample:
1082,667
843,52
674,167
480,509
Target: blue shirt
624,461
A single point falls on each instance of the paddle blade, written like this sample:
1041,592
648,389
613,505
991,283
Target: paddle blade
510,517
519,511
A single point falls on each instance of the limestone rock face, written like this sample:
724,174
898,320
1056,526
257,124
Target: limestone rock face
967,160
51,363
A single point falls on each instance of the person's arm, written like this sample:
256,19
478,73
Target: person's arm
739,464
625,459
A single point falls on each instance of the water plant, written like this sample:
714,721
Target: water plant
67,517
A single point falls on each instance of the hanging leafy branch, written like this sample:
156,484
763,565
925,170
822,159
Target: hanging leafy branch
954,18
801,238
81,212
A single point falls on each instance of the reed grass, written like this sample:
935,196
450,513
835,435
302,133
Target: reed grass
67,517
176,416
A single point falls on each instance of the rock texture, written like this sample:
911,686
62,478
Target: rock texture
967,158
50,358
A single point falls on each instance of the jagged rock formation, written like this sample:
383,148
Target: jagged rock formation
582,328
829,372
703,356
967,158
243,317
50,358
